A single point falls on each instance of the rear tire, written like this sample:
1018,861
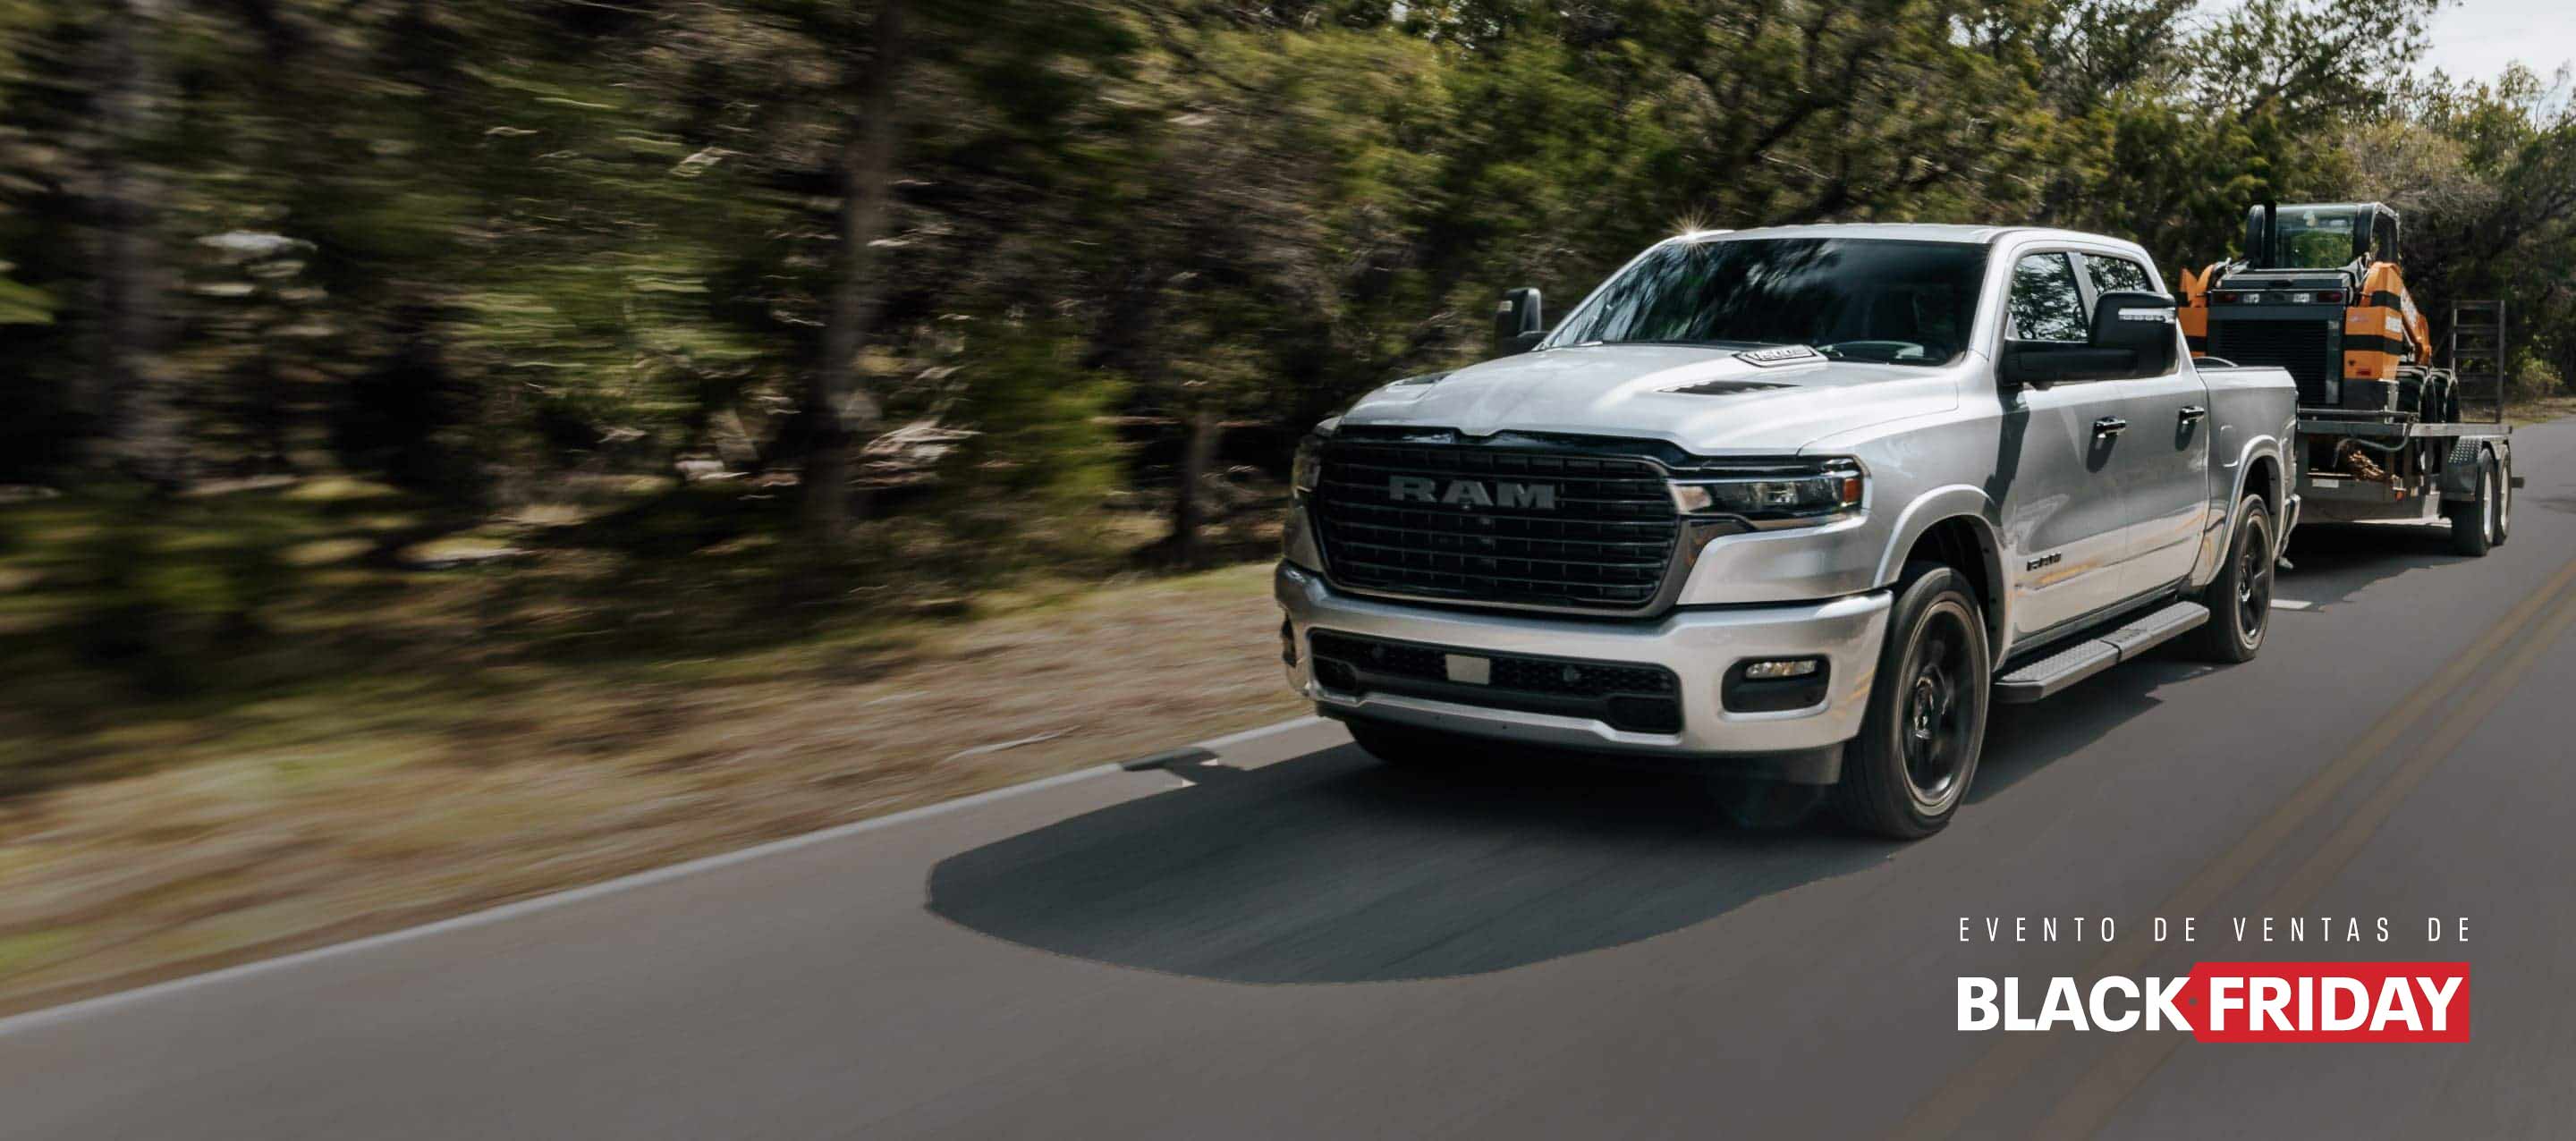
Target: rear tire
2240,598
1907,773
2473,524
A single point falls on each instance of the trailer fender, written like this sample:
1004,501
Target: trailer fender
2460,468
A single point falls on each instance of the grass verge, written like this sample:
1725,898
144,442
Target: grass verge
393,746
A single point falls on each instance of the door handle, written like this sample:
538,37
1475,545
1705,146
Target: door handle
2110,426
2192,413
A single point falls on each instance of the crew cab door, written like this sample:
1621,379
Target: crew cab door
2065,519
2161,461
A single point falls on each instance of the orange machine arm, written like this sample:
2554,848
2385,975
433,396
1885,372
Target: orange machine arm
2194,314
2382,328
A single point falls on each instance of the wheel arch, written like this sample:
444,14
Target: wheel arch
2261,469
2263,476
1954,526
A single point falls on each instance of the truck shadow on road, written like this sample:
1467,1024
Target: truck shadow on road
1331,868
2334,562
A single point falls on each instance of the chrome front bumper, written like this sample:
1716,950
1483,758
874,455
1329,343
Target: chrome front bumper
1698,645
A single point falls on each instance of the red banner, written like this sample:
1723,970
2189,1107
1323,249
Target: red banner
2327,1002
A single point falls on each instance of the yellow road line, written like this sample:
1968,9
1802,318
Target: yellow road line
1949,1108
2090,1103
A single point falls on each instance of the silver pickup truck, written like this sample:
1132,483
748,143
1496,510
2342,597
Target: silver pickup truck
1797,503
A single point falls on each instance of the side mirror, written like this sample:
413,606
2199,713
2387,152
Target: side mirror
2134,334
1518,323
2140,324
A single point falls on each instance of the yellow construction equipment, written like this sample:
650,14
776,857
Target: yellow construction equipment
2381,437
2319,293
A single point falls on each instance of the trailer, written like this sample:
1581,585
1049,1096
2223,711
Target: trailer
2435,450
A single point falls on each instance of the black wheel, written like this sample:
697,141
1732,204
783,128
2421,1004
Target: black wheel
1908,771
2417,393
1411,748
2240,598
2474,524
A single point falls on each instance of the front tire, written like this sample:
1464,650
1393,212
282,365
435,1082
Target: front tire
2240,598
1908,771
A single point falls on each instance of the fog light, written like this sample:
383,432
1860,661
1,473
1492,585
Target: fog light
1782,667
1773,685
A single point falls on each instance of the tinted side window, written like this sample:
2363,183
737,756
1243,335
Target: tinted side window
2117,275
2045,303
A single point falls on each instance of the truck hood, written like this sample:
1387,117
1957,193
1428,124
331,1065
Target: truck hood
1705,400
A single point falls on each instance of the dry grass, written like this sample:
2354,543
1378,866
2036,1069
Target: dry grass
182,834
2541,410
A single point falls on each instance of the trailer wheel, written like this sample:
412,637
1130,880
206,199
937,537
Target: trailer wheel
1908,771
2474,524
2240,598
2504,501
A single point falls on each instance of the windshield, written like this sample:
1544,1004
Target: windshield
1849,298
2313,237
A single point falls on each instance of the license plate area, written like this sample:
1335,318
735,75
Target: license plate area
1634,697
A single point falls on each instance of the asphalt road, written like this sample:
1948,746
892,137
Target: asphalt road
1293,941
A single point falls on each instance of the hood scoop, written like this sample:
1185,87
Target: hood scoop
1727,387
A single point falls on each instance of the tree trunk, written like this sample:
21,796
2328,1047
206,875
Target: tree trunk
135,414
1197,455
844,409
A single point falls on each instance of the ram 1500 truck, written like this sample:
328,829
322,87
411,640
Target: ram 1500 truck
1797,503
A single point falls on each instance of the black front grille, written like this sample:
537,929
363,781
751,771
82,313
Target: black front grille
2304,347
1484,524
1641,699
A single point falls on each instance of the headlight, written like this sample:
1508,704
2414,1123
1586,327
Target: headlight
1799,495
1310,457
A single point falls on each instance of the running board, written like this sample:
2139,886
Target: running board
2051,675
